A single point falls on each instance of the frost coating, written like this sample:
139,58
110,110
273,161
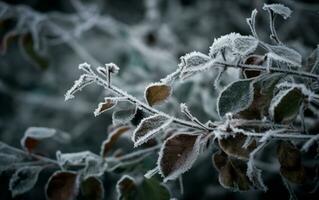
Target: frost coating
280,9
235,43
193,62
148,128
24,179
78,85
236,97
285,55
178,154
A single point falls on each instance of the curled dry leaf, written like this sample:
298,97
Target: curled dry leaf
105,106
148,128
232,172
62,185
156,93
178,154
33,135
112,138
92,189
233,146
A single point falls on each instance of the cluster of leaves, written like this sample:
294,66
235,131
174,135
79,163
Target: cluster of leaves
270,102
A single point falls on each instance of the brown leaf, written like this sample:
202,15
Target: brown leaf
156,93
92,189
178,154
232,172
105,106
148,128
263,94
126,187
233,146
112,139
62,185
33,135
291,166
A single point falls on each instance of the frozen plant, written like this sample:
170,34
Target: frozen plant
270,104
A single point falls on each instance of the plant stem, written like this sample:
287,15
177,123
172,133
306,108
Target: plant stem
146,107
271,69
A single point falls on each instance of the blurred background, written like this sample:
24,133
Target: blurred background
145,38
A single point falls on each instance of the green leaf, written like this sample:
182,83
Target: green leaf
236,97
285,105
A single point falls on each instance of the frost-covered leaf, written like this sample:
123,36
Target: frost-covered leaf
33,135
291,166
7,161
279,9
157,93
108,104
232,172
263,94
94,167
178,154
77,158
149,127
193,62
112,138
233,146
92,188
129,189
35,57
78,85
254,175
124,114
24,179
284,55
235,43
62,185
285,105
236,97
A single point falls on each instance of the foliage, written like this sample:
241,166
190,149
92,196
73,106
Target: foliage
267,105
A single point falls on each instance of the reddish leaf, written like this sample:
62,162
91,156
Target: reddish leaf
33,135
112,138
157,93
178,154
233,146
62,185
